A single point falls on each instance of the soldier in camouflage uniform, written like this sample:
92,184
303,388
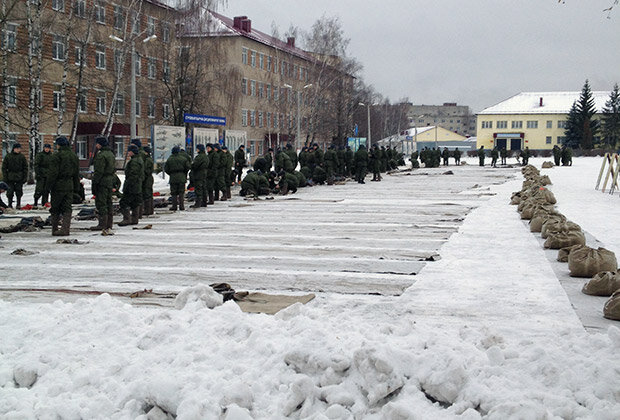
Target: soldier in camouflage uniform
494,156
15,174
361,162
132,187
292,153
200,165
481,156
228,171
212,172
41,167
177,167
220,181
103,183
240,162
374,159
330,159
348,162
62,181
147,185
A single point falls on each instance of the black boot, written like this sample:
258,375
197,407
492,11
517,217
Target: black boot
181,201
66,225
54,219
126,217
135,215
224,196
217,195
211,198
174,203
110,219
101,223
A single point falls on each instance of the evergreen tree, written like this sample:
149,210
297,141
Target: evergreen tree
572,134
611,119
587,126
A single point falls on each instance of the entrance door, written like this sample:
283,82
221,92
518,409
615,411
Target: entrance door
500,143
515,144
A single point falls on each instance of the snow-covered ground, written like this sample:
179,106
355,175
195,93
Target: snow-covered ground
488,331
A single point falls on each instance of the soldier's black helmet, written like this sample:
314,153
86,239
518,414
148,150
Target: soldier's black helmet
200,147
176,149
62,141
103,141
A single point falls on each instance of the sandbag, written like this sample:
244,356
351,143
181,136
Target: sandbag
545,180
552,226
611,310
563,239
530,208
541,216
586,262
515,199
546,195
547,165
563,253
604,283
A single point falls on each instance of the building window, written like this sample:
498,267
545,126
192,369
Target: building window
99,12
79,8
119,147
119,105
81,147
165,111
135,23
9,37
532,124
165,32
81,105
101,108
100,57
549,124
275,66
269,120
58,47
244,86
269,63
79,57
166,72
253,118
57,100
10,93
118,59
252,87
261,89
119,17
151,107
138,64
276,95
275,121
244,55
253,58
502,124
548,140
260,119
151,68
58,5
261,61
561,124
7,143
487,124
244,117
150,25
268,91
517,124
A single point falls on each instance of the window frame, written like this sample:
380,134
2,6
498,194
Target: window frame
59,47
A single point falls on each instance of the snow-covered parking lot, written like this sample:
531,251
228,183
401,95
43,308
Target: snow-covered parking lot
490,330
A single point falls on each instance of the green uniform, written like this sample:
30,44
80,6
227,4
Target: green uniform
214,161
494,156
557,155
348,162
240,162
481,156
14,173
147,184
254,184
288,183
374,160
177,167
229,161
284,163
303,158
63,180
445,155
503,153
331,163
41,167
292,153
457,156
269,160
318,157
525,155
132,187
361,163
103,179
221,171
301,179
200,166
567,156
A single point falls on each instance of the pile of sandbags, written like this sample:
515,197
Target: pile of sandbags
536,203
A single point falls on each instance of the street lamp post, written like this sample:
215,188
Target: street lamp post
133,119
368,108
298,138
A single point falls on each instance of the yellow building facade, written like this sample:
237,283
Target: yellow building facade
529,119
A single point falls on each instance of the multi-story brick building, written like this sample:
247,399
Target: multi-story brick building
452,117
79,85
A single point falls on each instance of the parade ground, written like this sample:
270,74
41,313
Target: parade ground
432,299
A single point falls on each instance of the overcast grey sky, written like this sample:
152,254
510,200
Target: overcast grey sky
474,52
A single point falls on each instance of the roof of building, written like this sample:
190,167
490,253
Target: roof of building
220,25
552,103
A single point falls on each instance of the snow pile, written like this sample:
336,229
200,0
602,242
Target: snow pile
201,294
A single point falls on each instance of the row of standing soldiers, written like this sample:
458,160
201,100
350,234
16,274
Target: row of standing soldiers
431,158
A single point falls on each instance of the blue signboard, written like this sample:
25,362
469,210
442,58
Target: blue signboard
203,119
